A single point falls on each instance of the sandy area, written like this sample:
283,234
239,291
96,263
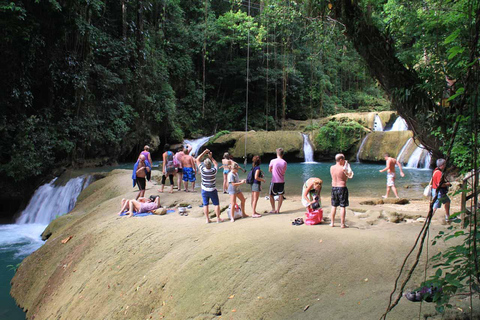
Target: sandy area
176,267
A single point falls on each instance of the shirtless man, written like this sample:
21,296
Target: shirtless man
391,162
339,189
189,169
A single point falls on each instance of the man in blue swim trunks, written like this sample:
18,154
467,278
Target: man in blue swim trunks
189,170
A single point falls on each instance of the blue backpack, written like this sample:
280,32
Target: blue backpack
251,176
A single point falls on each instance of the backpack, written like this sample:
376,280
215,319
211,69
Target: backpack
170,166
251,176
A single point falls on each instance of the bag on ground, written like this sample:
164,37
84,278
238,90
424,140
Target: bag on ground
314,216
237,214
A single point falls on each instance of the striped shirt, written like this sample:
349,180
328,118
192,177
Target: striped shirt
208,177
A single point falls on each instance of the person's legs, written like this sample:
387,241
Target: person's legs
217,213
205,211
332,216
164,177
342,217
395,191
216,204
170,176
225,183
387,192
242,204
125,205
280,201
179,181
193,186
185,179
447,211
255,196
133,205
233,201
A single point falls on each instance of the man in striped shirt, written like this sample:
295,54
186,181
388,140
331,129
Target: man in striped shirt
208,170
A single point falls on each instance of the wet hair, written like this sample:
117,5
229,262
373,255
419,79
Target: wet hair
208,163
280,152
166,147
152,198
146,148
226,155
256,161
440,162
339,156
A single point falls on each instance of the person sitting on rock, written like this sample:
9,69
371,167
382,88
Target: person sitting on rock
311,194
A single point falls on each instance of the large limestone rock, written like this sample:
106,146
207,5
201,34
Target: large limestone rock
378,143
366,119
262,143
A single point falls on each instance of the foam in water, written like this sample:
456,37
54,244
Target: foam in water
377,125
20,239
307,149
420,158
50,201
196,144
399,125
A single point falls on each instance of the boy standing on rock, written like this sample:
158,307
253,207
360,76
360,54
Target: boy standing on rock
391,162
277,167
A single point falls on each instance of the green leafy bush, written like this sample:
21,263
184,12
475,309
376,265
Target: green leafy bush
338,137
217,135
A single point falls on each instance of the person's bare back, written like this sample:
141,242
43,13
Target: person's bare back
141,169
339,178
391,162
187,161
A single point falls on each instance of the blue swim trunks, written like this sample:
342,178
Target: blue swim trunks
189,175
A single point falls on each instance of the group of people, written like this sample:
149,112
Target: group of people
185,167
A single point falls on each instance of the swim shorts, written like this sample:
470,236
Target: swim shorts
141,183
277,188
179,170
442,197
340,197
390,179
226,171
210,195
189,175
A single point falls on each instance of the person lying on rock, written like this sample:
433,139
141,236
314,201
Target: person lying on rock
141,205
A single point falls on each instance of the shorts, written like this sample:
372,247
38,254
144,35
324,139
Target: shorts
256,187
141,183
226,171
277,188
189,174
210,195
442,197
340,197
179,170
390,179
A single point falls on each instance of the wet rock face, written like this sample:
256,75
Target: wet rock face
379,143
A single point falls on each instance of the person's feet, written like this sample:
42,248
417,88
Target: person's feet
344,226
273,211
232,220
160,190
332,225
219,220
256,215
208,221
384,197
245,215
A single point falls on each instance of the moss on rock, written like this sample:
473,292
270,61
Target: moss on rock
337,137
378,143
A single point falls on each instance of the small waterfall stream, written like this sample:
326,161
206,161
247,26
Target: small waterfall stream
399,125
196,144
307,149
420,158
401,156
377,124
50,201
361,147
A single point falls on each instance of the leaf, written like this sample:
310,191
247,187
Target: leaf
454,51
454,35
438,273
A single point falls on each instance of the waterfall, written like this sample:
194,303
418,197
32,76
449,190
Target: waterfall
420,158
400,155
399,125
196,144
307,149
377,124
361,147
50,201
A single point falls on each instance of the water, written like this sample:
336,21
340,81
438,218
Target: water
367,181
361,147
307,149
420,158
377,125
401,156
196,144
21,239
399,125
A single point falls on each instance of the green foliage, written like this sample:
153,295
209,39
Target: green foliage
217,135
337,137
12,267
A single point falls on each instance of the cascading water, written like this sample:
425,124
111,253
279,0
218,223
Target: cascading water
401,156
196,144
361,147
420,158
50,201
399,125
377,124
307,149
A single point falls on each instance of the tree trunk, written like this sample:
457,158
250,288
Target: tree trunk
400,83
